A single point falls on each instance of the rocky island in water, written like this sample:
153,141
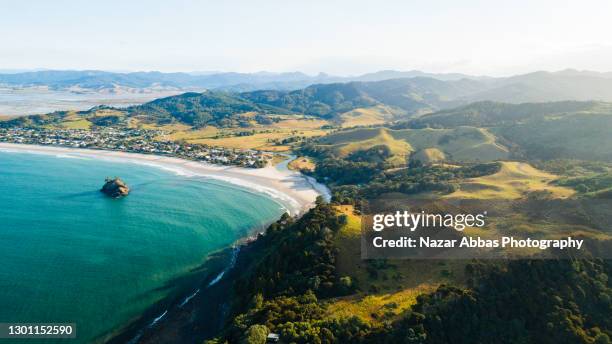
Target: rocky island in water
115,187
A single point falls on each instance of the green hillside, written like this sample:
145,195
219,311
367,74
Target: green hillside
575,130
375,115
461,144
428,156
317,100
488,113
102,116
409,96
305,280
546,87
513,181
420,95
576,136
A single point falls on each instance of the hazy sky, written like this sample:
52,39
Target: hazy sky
338,37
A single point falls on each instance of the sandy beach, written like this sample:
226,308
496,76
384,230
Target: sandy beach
291,189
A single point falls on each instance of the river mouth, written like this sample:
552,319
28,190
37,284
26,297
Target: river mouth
73,255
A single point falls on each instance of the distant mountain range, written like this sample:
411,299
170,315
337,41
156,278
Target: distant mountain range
99,80
413,92
407,97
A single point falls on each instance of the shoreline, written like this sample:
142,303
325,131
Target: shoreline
180,319
163,314
293,190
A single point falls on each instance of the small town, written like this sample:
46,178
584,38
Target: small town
134,141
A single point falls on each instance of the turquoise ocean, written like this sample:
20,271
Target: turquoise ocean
70,254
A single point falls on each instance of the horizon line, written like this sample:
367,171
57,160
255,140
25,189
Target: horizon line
319,74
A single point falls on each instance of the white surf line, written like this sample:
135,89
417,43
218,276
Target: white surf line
217,279
156,320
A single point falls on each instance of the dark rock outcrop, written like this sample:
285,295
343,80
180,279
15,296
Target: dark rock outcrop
115,187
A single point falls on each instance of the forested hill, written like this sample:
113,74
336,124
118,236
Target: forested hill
291,281
317,100
321,100
409,95
406,96
196,109
211,107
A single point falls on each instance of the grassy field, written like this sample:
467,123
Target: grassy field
365,116
298,123
75,122
262,140
188,134
301,164
554,226
385,289
463,143
377,308
514,180
460,144
262,137
399,149
429,156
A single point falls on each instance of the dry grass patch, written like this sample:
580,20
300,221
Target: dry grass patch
513,181
428,155
171,128
462,144
301,164
397,283
366,116
195,134
108,112
80,123
263,139
256,141
391,276
376,308
300,124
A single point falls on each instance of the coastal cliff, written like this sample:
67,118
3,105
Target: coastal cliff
115,187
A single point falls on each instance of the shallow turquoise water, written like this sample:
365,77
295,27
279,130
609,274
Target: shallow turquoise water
70,254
